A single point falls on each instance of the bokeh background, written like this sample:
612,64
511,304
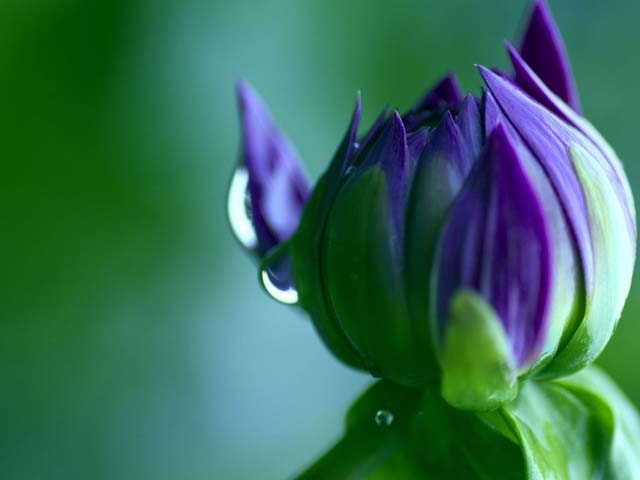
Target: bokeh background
135,342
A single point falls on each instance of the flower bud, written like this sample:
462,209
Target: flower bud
480,241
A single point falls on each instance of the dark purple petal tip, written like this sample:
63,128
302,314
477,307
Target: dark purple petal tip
448,143
470,124
496,242
444,95
391,154
543,49
277,187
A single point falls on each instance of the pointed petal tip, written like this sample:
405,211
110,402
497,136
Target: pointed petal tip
516,59
352,131
246,93
396,132
483,70
445,93
448,124
500,149
540,7
469,97
498,134
242,84
397,121
358,108
469,105
447,118
543,49
492,79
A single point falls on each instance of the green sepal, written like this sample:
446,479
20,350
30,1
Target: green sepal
306,245
307,252
363,265
434,188
478,371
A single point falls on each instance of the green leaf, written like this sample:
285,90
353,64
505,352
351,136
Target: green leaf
579,427
618,415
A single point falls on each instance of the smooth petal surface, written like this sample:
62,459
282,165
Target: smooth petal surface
549,138
567,302
496,242
276,186
543,49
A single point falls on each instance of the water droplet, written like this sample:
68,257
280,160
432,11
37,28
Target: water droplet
349,170
288,294
276,275
383,418
356,145
239,209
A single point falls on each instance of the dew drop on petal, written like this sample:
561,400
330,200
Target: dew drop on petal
276,276
239,208
287,295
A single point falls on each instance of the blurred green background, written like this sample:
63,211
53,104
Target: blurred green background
135,340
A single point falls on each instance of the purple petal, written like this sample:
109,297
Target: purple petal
470,124
448,144
416,141
543,49
548,138
277,187
374,131
493,117
391,154
496,242
532,84
445,95
346,152
565,257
